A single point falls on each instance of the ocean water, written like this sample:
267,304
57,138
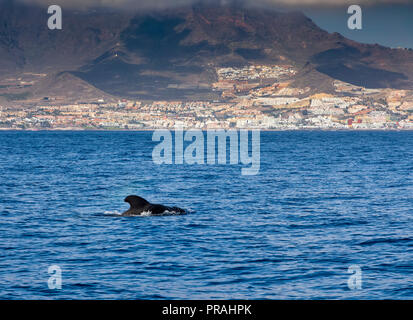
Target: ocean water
322,202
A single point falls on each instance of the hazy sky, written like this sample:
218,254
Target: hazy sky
387,22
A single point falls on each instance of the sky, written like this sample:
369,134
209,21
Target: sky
386,22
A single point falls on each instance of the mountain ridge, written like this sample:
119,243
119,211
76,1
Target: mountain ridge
174,53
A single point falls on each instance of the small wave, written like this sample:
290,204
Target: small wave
147,213
111,213
386,240
165,213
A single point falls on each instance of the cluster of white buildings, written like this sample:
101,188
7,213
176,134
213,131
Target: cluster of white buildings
254,72
268,105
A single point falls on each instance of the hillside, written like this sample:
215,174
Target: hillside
175,54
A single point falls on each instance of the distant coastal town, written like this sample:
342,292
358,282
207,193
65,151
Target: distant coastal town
253,97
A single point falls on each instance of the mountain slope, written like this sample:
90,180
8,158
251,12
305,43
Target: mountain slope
173,54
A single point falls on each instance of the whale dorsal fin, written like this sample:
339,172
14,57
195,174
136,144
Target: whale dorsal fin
136,202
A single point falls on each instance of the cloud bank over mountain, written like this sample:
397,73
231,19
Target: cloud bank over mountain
153,4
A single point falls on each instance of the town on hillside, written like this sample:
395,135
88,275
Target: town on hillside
252,97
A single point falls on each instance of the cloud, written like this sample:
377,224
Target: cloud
121,4
337,2
147,4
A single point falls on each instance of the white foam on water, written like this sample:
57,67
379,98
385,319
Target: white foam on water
165,213
116,213
149,213
145,214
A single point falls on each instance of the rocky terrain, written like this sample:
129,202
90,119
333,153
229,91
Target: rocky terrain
174,54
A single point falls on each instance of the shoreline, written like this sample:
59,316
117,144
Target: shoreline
203,130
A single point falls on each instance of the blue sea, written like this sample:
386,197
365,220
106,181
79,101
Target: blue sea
322,202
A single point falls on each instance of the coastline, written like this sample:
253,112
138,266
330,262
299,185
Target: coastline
204,130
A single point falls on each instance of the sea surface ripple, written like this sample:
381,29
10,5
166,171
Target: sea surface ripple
323,201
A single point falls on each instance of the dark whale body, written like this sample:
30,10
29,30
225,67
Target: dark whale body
139,205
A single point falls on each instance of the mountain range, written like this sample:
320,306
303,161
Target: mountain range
173,54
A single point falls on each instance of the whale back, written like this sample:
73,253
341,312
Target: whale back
136,202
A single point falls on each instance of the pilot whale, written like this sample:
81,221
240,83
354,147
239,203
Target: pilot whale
139,205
